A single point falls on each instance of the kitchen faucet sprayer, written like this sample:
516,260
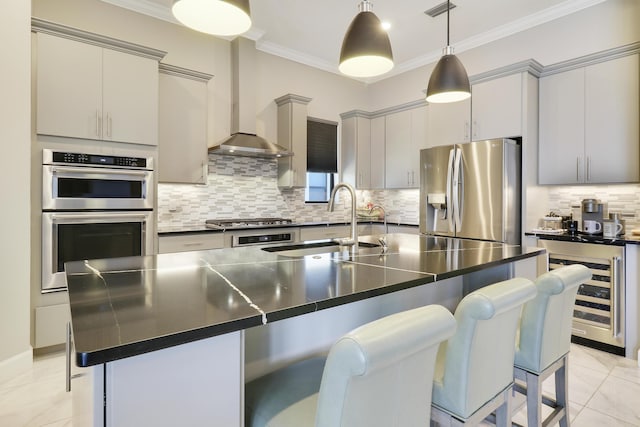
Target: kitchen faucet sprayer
353,240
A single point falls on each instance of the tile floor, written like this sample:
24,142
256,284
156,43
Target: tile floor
604,390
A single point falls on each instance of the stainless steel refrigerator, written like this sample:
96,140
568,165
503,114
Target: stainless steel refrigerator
472,190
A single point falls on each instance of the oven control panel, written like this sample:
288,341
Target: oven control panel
60,157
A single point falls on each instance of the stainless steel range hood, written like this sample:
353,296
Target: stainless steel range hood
243,140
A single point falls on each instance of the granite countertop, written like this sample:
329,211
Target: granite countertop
625,239
123,307
199,228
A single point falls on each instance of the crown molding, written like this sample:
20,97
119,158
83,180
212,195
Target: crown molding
42,26
292,98
591,59
174,70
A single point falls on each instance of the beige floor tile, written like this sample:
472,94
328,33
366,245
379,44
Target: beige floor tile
593,359
618,398
590,418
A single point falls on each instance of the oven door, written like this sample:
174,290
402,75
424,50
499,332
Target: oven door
75,236
77,188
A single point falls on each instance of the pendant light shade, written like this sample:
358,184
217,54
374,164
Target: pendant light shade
449,81
366,50
216,17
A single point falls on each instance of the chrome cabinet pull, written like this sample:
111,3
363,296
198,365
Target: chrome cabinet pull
615,292
578,168
588,168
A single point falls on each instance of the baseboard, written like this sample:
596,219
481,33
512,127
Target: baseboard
16,365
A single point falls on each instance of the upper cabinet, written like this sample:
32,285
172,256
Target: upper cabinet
496,108
90,91
449,123
292,134
182,112
405,136
362,150
589,130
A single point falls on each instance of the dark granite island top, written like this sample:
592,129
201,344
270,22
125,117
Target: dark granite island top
124,307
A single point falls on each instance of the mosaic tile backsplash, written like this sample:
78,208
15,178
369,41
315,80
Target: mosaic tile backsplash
623,199
244,187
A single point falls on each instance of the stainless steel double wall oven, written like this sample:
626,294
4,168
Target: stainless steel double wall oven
94,206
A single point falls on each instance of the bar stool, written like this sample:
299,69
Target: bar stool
544,342
379,374
474,368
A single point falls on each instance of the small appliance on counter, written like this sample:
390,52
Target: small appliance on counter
593,214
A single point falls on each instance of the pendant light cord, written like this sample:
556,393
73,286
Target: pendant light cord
448,9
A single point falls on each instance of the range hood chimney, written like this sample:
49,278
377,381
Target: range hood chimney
243,140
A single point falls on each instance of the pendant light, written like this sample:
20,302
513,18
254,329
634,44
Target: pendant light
449,81
216,17
366,50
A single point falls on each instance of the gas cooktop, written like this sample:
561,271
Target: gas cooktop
230,224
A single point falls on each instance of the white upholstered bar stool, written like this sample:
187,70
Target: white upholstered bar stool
544,342
474,369
379,374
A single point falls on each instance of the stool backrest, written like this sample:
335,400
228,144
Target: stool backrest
479,357
381,374
545,328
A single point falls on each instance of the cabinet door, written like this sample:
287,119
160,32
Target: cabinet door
130,98
449,123
377,152
69,90
182,140
419,120
348,151
363,153
496,108
398,148
611,121
292,134
561,146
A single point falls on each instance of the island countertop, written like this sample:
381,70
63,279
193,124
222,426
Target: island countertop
123,307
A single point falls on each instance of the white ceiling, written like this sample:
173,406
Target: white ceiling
311,32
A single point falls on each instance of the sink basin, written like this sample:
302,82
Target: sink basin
315,248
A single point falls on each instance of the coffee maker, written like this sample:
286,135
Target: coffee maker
593,214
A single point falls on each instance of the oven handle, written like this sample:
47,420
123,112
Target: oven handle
93,216
615,290
72,171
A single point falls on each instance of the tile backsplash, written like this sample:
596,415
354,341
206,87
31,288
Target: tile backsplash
620,198
244,187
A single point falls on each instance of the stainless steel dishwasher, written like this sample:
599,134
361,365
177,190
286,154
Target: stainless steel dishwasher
598,316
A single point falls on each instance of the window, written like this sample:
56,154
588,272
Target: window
322,159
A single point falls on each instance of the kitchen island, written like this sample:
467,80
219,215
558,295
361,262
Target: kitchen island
170,339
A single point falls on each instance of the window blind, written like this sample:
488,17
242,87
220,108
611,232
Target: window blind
322,146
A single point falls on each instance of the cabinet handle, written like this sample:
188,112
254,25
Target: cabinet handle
408,178
578,168
615,289
474,129
588,169
109,125
97,122
466,129
68,358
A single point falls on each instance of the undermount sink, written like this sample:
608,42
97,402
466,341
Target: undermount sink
304,249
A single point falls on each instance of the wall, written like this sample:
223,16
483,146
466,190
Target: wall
15,110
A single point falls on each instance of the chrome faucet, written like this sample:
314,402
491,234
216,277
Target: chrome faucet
384,215
353,240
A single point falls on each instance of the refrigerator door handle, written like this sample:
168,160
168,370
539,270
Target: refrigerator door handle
449,195
458,188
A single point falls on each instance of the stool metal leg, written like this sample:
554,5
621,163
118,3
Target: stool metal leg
534,399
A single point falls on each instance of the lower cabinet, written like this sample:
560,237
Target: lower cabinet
190,242
322,232
194,384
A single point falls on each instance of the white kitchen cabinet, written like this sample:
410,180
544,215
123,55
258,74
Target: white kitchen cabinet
496,108
292,134
362,151
589,129
182,112
449,123
190,242
405,136
91,92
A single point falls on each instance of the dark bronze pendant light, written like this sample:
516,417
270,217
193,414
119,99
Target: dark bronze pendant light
366,50
449,81
216,17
